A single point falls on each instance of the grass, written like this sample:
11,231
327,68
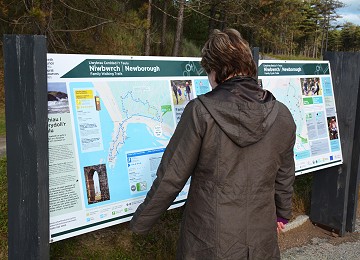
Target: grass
290,57
118,242
2,121
2,99
302,194
3,209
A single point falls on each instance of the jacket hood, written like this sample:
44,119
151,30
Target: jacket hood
243,110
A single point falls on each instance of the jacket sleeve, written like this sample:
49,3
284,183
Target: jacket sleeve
284,182
177,164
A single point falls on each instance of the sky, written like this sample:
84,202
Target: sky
350,13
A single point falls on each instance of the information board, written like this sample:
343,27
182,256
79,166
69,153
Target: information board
305,87
110,119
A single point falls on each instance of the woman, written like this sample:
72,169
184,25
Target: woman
236,142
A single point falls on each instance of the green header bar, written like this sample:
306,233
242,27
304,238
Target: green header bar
293,69
94,68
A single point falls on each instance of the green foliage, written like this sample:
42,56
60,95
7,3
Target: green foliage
167,51
37,14
3,209
289,57
350,37
190,50
346,39
2,89
2,122
195,29
334,40
279,19
302,194
2,100
289,27
119,39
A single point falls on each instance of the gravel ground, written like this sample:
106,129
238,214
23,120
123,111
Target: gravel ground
320,248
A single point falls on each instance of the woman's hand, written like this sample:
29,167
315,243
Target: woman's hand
280,226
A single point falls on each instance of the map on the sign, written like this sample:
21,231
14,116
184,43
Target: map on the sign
129,116
287,90
306,89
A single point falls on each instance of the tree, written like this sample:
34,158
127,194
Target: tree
277,25
131,27
148,30
327,10
163,28
334,40
179,28
350,37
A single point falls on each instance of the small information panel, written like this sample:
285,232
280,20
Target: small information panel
110,119
305,87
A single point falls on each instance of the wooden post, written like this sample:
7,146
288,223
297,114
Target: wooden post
27,146
354,180
256,56
334,190
256,53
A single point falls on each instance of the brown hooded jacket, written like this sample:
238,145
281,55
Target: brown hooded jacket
236,143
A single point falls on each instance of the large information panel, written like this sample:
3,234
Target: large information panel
110,119
306,89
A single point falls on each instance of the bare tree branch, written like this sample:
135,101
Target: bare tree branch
161,10
207,16
81,11
6,21
85,29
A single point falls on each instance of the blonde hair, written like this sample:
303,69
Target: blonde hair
228,54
